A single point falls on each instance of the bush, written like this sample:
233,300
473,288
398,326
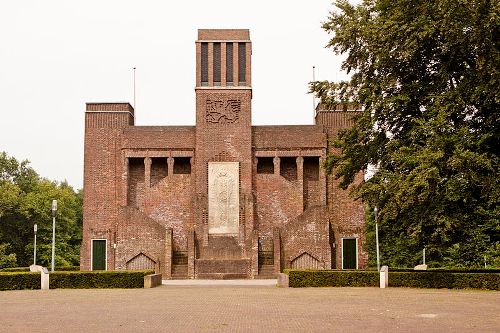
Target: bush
19,280
98,279
332,278
402,278
444,279
75,280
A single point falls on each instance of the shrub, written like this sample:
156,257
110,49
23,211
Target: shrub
401,278
332,278
75,280
19,280
98,279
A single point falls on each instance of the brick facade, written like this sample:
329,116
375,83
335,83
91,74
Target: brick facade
146,187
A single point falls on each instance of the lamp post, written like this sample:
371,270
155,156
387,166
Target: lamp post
375,212
35,229
54,211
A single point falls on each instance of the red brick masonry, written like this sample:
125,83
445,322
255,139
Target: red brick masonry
146,187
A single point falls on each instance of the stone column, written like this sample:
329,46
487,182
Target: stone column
170,162
277,250
276,161
300,179
147,173
167,272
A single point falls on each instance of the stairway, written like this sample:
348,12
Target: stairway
266,272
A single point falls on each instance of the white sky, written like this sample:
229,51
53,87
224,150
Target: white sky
56,55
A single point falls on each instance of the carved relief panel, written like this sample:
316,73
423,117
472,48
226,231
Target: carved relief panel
222,111
223,197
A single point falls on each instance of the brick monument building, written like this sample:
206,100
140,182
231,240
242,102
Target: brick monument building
222,199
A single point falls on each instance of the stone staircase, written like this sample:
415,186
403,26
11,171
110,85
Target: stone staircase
179,265
266,272
222,259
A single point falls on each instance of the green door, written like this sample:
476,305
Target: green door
349,253
98,254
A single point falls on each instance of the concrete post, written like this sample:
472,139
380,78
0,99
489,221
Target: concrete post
384,277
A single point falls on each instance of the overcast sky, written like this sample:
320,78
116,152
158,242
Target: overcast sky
56,55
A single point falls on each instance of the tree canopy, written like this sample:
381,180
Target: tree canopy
25,199
427,75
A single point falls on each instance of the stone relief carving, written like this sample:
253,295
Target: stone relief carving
223,111
223,197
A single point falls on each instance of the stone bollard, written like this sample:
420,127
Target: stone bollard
283,280
384,277
44,275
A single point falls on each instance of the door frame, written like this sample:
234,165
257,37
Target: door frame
356,238
92,253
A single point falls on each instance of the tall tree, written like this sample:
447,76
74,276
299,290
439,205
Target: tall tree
427,75
25,199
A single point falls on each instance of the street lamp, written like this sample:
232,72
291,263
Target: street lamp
375,212
35,229
54,211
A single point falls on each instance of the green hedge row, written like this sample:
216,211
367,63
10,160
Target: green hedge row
74,280
19,280
331,278
27,269
415,279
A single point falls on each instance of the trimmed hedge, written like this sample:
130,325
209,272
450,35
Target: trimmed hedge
74,280
332,278
412,279
98,279
19,280
27,269
442,279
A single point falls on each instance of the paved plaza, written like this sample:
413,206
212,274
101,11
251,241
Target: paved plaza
242,307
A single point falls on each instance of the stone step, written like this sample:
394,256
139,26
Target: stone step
221,247
179,272
266,272
221,276
222,268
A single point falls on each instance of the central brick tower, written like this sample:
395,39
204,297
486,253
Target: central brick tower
223,162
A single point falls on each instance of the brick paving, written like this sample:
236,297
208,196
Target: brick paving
247,308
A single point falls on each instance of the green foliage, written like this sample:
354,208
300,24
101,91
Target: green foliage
25,199
332,278
19,280
450,280
6,260
74,280
426,74
411,279
27,269
98,279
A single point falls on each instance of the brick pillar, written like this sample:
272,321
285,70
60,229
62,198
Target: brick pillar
191,254
147,173
167,271
322,182
276,161
235,64
277,250
255,255
210,64
170,162
300,178
223,64
125,182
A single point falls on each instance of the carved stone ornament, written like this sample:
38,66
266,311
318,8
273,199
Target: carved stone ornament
223,197
223,111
